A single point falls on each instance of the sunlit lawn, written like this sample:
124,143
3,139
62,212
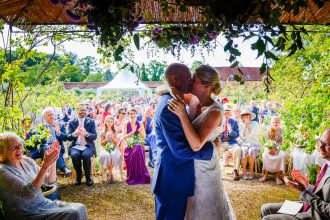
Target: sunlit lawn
121,201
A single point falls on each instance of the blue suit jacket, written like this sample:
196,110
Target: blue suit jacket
174,174
234,133
89,125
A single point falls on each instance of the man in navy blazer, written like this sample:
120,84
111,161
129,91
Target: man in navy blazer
229,143
82,135
174,177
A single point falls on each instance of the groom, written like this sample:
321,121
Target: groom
174,178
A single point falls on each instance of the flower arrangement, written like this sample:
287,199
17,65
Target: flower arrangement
134,140
39,134
110,147
301,140
271,145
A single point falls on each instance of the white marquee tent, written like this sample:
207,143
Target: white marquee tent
125,80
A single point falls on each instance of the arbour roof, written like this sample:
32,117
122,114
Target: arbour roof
18,12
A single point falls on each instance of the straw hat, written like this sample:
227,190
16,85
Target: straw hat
248,112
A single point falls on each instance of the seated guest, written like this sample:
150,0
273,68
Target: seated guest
253,108
147,122
110,157
249,137
21,180
134,156
229,143
82,134
57,132
316,198
66,115
274,160
268,111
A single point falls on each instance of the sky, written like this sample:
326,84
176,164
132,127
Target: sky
217,58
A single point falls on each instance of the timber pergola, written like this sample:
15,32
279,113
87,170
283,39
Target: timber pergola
43,12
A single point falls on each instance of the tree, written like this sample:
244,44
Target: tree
108,75
302,83
156,70
144,74
88,65
195,64
71,73
95,77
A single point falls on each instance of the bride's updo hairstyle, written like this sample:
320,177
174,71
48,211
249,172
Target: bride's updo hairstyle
209,76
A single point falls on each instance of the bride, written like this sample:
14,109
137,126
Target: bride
208,202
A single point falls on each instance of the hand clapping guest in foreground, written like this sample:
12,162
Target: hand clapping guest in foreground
21,180
316,198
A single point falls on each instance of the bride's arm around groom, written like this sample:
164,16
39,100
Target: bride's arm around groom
173,180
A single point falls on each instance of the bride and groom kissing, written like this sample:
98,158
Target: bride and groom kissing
187,179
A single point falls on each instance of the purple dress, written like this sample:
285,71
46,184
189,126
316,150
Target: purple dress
137,172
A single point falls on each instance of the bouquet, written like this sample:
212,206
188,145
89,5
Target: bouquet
110,147
134,140
271,145
40,134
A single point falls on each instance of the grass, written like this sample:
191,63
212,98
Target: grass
121,201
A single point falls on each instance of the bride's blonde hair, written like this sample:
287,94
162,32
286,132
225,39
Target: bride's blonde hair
209,76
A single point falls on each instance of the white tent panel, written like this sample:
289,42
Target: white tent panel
125,80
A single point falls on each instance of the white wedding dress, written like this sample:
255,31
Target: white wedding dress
209,200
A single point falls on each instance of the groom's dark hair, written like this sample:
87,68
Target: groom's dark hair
174,69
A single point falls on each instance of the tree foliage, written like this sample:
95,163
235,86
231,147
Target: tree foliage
302,83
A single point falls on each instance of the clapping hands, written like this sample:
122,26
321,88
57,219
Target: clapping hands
51,154
299,182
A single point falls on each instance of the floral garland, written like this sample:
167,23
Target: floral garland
134,140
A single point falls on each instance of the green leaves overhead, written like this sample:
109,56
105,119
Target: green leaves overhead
260,46
136,39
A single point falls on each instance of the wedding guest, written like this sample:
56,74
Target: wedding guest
110,157
119,124
236,113
105,113
147,122
254,109
56,132
229,143
268,111
274,160
316,198
134,156
66,115
21,180
82,135
249,137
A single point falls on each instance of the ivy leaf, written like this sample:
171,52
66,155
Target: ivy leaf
234,64
260,46
262,69
136,39
234,52
270,55
228,45
292,49
132,69
118,58
124,66
231,58
119,50
269,40
237,78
